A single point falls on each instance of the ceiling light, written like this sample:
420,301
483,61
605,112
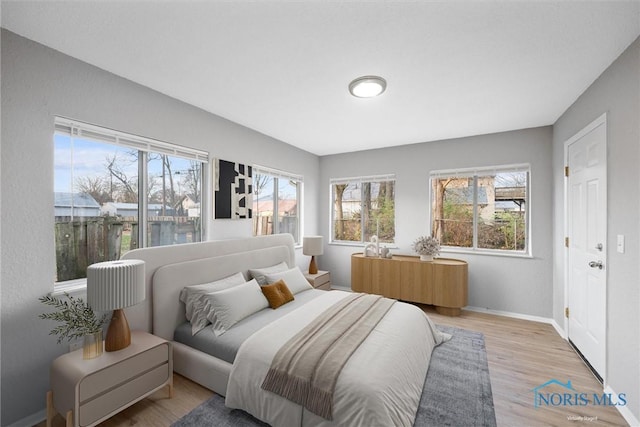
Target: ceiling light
367,86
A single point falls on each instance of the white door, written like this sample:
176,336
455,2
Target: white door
587,233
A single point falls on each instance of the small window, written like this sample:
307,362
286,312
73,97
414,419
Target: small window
363,207
114,192
481,209
276,202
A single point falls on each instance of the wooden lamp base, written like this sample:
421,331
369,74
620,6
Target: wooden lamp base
313,268
118,334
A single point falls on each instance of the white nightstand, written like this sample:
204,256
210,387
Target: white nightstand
87,392
320,280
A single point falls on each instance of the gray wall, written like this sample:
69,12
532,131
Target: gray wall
513,284
37,84
616,92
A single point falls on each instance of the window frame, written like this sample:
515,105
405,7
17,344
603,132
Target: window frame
362,180
475,173
144,146
278,174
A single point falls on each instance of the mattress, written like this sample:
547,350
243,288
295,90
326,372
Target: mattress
226,346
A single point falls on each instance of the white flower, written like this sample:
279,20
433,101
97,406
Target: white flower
426,245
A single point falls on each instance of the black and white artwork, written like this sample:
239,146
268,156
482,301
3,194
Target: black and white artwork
233,190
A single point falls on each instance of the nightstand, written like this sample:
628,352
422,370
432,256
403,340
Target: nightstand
320,280
87,392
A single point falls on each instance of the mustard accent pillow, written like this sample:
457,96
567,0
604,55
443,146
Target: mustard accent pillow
277,294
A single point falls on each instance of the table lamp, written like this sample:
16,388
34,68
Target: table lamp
312,245
114,285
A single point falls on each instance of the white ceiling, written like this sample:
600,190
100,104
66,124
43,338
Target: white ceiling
454,69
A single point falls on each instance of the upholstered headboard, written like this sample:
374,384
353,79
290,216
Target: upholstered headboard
247,249
168,281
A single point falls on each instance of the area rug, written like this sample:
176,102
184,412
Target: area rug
457,390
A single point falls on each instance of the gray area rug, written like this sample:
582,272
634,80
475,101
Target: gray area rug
457,390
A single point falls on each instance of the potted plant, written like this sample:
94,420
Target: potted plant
426,247
77,320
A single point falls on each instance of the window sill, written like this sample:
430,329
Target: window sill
362,245
485,253
70,287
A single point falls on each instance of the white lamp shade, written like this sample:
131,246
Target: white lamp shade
312,245
113,285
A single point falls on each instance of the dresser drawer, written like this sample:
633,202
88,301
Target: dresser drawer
95,409
112,376
325,286
321,280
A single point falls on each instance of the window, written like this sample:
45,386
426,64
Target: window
276,202
363,207
114,192
481,209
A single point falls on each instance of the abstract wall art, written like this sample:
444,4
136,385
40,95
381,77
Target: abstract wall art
233,188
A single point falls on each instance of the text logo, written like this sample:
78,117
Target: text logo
555,393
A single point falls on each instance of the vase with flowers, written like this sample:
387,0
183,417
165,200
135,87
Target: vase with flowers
426,247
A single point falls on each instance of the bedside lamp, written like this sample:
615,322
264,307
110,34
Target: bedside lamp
114,285
312,245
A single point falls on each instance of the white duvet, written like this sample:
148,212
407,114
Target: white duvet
380,385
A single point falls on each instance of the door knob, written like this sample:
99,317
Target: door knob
596,264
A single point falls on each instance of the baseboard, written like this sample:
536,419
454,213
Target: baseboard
513,315
559,329
624,410
31,420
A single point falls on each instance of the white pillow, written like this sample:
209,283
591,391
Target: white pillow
189,294
294,279
226,308
259,273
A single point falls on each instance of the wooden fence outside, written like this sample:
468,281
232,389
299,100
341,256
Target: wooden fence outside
85,241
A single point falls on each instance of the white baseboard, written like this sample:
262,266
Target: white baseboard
624,410
513,315
31,420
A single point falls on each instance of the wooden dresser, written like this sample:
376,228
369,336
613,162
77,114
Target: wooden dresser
441,282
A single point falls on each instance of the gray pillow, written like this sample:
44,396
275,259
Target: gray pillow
189,294
260,273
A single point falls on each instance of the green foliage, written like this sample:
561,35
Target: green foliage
76,317
457,225
508,232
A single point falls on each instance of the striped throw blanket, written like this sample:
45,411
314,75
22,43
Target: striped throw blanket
305,370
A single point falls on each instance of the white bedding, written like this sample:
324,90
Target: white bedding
380,385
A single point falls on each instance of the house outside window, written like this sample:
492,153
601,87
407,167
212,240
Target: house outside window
363,207
276,202
100,212
484,209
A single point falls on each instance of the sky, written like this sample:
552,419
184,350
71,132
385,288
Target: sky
89,158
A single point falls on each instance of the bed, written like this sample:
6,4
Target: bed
380,384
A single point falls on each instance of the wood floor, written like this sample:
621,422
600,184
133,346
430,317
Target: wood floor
521,354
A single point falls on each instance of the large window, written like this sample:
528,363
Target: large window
481,209
276,202
114,192
363,207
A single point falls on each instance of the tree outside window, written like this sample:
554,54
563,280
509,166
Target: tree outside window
276,203
98,205
483,211
363,208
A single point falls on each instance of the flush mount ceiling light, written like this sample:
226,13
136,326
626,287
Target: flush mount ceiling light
367,86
